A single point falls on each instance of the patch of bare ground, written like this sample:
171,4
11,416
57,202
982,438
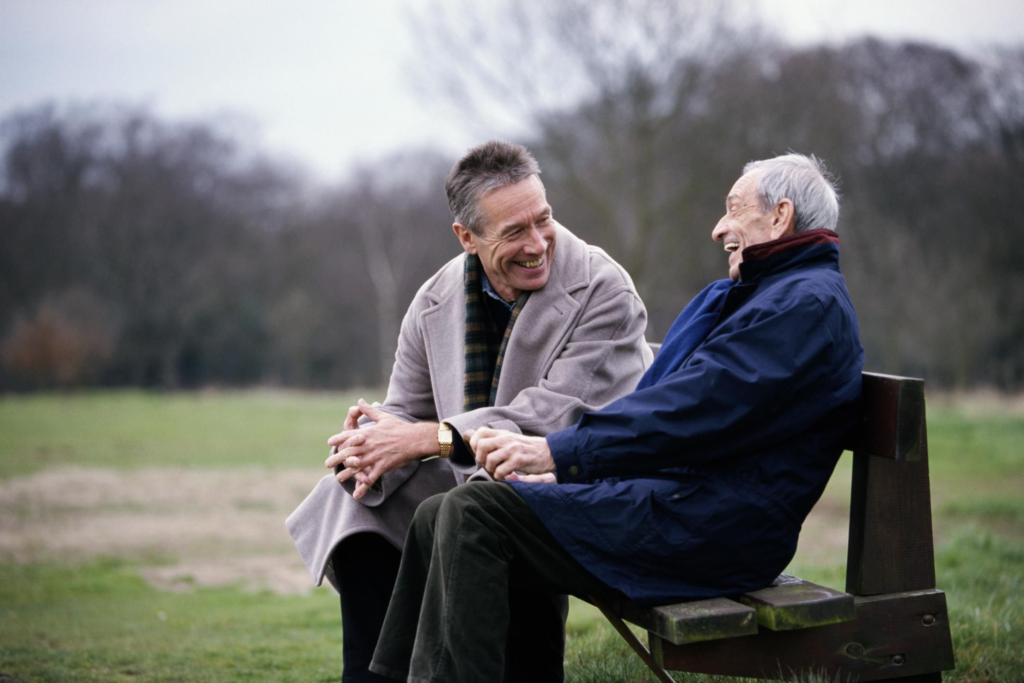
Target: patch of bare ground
978,402
198,527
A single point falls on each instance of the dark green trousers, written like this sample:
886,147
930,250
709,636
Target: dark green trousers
467,551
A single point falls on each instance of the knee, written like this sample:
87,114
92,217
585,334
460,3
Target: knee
459,500
425,519
474,493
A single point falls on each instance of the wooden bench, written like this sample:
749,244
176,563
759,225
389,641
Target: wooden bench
890,623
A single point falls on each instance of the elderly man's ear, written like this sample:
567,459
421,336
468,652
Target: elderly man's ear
783,219
466,237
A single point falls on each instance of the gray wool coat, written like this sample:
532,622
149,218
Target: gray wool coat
577,345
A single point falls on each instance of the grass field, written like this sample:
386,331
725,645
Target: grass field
142,538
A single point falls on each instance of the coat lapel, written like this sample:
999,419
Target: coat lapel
444,326
547,319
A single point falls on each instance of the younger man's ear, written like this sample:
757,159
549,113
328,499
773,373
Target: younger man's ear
466,237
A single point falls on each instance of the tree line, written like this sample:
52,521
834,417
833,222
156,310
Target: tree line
136,251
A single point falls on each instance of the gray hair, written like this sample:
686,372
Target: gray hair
803,180
482,169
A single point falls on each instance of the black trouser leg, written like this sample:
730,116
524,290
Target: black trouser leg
450,617
365,566
535,649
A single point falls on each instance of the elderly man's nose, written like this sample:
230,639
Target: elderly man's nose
718,232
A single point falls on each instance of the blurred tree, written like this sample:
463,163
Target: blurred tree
351,265
147,218
601,88
644,112
399,210
65,344
137,251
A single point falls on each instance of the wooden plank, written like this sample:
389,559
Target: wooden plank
693,622
792,603
898,635
890,548
891,419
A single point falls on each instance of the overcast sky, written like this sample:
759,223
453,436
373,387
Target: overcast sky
324,81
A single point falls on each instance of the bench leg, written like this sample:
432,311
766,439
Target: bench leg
633,641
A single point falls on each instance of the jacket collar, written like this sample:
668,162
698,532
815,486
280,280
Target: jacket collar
761,260
814,248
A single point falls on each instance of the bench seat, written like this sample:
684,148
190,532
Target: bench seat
789,603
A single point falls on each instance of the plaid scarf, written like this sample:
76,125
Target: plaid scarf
485,348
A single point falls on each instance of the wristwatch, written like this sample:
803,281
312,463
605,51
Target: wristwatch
444,440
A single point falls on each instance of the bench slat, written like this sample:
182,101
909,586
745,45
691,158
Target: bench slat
693,622
791,603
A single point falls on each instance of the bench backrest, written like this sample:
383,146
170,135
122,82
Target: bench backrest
890,548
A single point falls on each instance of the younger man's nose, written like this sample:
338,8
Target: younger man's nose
537,244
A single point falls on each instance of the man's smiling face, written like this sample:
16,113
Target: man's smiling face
517,241
745,223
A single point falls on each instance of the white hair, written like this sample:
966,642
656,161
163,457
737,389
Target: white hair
804,181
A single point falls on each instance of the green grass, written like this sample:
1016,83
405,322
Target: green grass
961,444
983,576
97,620
139,429
101,622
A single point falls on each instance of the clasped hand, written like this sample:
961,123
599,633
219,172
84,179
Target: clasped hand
511,456
370,451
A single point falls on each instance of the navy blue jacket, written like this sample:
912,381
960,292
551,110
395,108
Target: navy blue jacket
697,485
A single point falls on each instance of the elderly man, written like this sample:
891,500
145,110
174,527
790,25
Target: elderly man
513,334
693,486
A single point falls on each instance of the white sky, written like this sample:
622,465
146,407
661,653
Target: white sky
325,80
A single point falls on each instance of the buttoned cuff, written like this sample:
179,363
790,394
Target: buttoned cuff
568,468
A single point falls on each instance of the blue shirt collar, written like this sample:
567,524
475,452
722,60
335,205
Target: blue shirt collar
489,291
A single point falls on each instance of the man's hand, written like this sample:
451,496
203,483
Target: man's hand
503,453
388,444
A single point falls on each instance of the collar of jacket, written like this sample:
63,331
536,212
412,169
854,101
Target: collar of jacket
805,249
761,260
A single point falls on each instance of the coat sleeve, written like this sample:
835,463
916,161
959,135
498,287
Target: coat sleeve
604,357
730,395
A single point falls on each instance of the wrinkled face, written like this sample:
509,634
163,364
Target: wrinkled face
517,242
745,224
